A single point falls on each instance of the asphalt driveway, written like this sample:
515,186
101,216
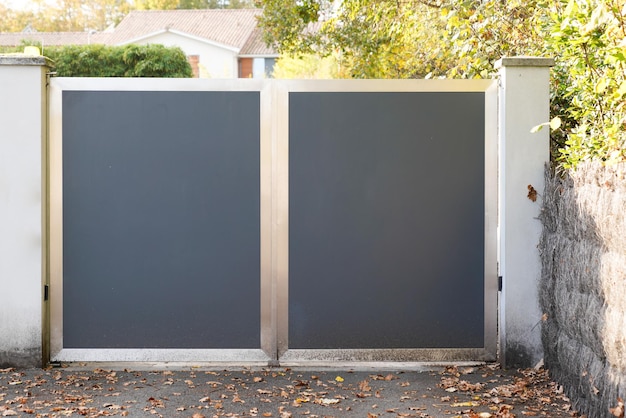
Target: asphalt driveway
473,391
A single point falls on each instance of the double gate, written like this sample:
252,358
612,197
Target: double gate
265,221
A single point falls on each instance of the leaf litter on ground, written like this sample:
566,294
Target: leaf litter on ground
473,392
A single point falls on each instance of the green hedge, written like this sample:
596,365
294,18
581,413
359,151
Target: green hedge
119,61
116,61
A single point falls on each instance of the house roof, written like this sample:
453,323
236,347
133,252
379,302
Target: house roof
235,29
229,27
255,45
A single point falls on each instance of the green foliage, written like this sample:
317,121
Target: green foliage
384,39
84,15
478,33
589,39
124,61
193,4
407,38
372,38
464,38
63,15
220,4
289,25
155,61
308,66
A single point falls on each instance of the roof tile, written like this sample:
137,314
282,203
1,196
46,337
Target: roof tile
231,27
256,45
235,28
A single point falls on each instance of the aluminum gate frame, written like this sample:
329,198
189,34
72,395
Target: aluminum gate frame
274,223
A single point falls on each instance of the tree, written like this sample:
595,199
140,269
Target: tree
14,20
156,4
589,39
64,15
84,15
308,66
229,4
376,38
463,38
481,32
193,4
404,38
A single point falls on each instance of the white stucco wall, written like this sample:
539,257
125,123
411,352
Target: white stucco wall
22,210
215,62
524,103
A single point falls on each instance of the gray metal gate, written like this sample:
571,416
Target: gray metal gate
261,220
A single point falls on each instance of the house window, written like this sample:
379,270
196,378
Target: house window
269,67
263,67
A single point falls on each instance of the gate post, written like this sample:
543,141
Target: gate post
23,209
524,100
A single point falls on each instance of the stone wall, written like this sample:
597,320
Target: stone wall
583,285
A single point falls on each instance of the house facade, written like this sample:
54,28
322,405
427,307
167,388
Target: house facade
219,43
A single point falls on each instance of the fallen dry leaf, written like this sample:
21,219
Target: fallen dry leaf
327,401
364,386
532,193
464,404
505,412
467,386
618,411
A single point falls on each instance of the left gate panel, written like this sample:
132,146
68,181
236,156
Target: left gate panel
157,221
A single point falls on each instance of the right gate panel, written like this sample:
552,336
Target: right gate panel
387,226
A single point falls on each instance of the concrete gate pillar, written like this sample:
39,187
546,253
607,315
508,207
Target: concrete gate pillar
524,100
23,203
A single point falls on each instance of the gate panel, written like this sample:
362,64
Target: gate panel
162,190
161,225
386,236
391,238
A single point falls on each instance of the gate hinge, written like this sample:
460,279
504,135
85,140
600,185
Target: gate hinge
46,292
499,283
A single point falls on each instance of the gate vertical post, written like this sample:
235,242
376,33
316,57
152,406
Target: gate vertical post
23,209
524,100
